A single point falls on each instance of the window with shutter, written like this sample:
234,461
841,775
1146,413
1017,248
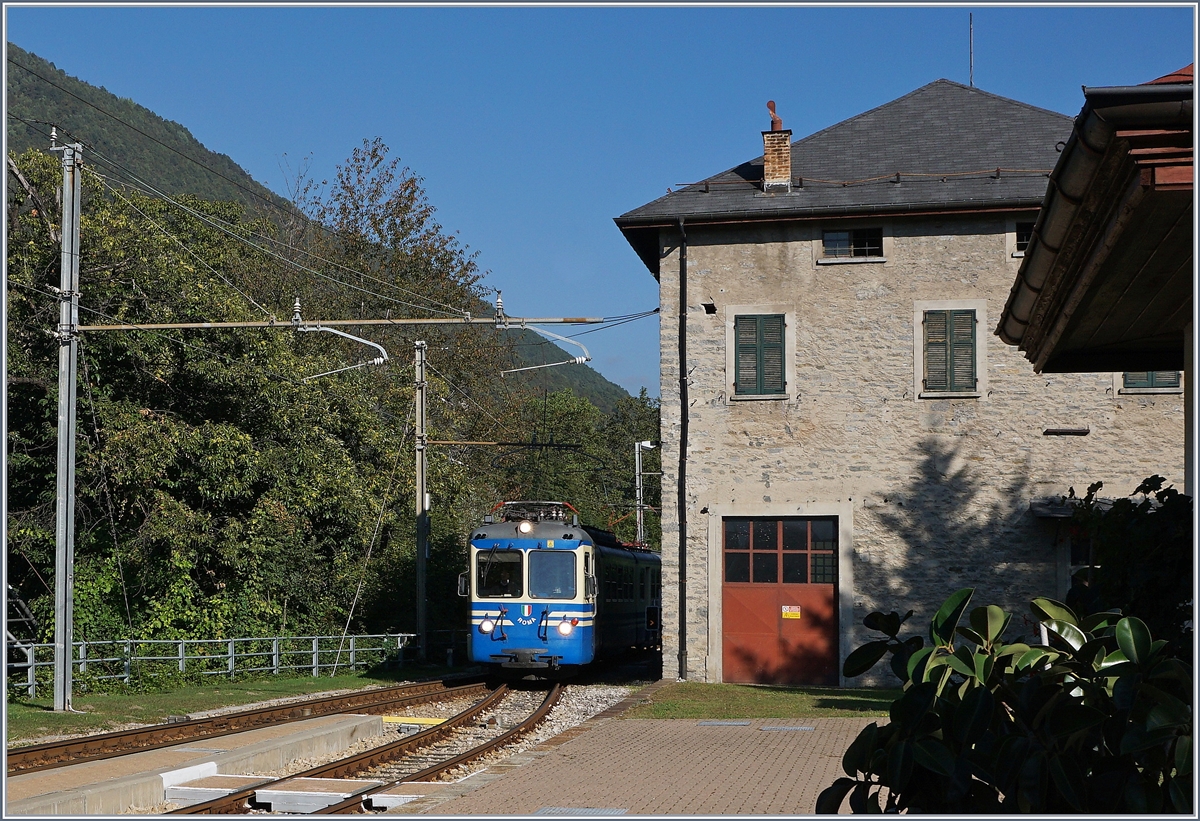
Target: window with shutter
950,351
1151,379
759,356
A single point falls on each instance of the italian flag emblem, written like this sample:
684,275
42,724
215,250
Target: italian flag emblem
527,610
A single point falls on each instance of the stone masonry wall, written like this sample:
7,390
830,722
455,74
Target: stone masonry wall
940,488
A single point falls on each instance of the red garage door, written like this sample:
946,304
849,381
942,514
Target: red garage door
779,600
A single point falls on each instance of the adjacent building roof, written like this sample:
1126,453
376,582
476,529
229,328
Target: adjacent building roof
1107,280
943,147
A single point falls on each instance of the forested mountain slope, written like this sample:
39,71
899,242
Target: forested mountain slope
157,151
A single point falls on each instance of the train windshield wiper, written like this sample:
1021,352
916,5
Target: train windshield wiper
488,564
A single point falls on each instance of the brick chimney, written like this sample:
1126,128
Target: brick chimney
777,156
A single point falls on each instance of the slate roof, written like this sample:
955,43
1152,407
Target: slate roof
945,140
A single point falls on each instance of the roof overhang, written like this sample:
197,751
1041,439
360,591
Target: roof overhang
1106,283
643,233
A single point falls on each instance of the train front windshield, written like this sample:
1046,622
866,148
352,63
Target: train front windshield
498,574
551,574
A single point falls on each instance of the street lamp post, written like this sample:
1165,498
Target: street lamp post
637,462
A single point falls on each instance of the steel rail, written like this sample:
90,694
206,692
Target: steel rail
236,802
38,757
353,803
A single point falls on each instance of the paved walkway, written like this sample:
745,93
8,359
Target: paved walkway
615,766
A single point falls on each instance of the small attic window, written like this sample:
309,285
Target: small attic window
852,243
1024,235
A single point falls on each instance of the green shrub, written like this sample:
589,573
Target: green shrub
1097,721
1142,552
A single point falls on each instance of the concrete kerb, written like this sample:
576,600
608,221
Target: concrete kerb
113,795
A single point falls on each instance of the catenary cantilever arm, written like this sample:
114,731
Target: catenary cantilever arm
379,360
579,360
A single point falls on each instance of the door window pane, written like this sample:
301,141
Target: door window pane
823,534
795,568
737,567
766,569
795,535
737,534
766,535
822,568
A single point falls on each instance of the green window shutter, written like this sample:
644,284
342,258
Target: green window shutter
758,354
937,350
1151,379
950,351
771,346
962,351
745,375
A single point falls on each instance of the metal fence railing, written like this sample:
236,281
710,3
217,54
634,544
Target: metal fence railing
31,665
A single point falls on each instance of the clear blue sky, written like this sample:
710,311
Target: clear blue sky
534,127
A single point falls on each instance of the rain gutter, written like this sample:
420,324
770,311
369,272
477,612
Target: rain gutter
1105,110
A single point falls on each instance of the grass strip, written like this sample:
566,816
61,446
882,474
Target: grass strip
32,719
687,699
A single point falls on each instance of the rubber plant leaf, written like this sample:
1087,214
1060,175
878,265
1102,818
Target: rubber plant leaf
1045,609
864,658
1133,637
941,629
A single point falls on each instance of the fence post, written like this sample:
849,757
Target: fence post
83,657
128,660
352,652
182,655
316,655
275,656
30,656
231,658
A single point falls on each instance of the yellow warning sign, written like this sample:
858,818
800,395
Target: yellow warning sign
791,611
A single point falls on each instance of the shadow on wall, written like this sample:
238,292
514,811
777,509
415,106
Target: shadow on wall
962,524
812,659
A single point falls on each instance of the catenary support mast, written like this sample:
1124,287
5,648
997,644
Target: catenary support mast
68,361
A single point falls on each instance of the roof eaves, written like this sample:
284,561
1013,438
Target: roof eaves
1105,110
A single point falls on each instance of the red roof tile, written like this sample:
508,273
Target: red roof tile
1184,75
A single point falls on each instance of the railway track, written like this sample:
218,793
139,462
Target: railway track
37,757
423,756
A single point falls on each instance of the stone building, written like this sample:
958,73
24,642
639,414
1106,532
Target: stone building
842,431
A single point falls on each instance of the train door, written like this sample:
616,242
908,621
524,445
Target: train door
779,600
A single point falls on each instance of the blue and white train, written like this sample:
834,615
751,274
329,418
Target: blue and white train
549,595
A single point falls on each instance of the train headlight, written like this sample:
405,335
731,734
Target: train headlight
525,527
565,627
486,626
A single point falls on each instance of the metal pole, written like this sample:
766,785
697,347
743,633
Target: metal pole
422,496
637,472
68,360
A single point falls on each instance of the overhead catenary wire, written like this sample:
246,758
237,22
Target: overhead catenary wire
152,192
181,244
227,359
114,117
374,535
149,189
469,398
275,255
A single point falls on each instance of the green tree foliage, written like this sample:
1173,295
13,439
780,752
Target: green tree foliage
218,492
582,456
1142,552
1097,721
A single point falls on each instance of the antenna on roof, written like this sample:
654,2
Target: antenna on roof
971,38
